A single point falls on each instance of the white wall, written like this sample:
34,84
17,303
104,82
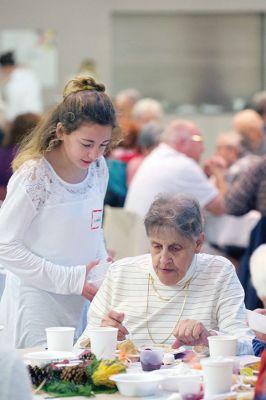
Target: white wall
84,26
84,30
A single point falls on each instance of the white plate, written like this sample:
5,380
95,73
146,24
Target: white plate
44,357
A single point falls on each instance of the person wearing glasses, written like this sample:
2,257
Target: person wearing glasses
173,167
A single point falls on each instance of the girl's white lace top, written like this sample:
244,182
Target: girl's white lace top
49,231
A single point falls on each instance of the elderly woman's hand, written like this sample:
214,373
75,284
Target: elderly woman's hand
115,319
190,333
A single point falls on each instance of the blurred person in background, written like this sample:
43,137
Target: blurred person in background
147,110
19,128
173,167
88,67
249,124
3,120
22,90
258,102
117,161
230,157
124,102
249,191
127,147
148,138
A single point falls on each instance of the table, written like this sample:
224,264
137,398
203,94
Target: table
161,395
115,396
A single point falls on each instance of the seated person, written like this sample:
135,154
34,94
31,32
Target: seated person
175,295
147,140
258,276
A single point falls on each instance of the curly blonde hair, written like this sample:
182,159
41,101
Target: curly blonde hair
84,101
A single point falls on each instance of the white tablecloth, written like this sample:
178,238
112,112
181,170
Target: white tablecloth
160,395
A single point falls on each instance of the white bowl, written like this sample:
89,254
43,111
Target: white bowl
171,378
41,358
144,384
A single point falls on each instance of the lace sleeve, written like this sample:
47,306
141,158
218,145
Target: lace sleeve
16,214
32,177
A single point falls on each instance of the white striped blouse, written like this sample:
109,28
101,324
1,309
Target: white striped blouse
214,297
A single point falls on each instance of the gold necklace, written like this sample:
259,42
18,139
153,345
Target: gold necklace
151,279
186,287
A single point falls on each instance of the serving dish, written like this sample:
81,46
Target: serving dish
138,385
172,377
41,358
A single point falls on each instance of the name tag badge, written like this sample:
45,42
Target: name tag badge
96,220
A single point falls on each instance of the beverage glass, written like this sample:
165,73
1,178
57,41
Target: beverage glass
103,342
217,375
222,345
151,359
60,338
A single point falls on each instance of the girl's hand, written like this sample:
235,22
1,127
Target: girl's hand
89,291
91,265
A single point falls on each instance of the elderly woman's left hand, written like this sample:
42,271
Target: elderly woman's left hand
190,333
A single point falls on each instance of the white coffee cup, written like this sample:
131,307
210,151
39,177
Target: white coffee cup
60,338
103,342
189,386
217,375
222,345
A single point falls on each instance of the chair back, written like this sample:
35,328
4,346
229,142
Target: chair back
124,232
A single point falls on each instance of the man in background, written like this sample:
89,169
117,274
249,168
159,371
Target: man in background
173,167
22,90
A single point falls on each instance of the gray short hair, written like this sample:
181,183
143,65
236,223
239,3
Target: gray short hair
178,211
149,135
148,104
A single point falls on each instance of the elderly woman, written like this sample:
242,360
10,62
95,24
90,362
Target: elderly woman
174,295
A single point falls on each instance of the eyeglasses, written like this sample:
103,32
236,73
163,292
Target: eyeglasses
196,138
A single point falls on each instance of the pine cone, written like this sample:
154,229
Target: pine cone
75,374
38,374
86,355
